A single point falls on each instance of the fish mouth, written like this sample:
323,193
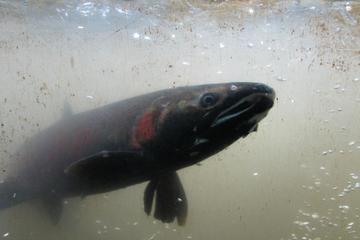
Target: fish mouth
250,109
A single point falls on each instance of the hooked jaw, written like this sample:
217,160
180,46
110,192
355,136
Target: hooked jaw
248,103
241,108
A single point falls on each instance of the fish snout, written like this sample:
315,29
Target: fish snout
265,90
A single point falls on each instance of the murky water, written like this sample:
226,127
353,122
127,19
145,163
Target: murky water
296,178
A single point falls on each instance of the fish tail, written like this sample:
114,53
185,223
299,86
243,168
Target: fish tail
10,194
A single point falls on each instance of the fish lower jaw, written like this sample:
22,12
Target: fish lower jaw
227,118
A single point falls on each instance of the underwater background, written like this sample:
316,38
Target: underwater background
297,177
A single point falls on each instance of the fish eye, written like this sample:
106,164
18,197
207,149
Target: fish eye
208,100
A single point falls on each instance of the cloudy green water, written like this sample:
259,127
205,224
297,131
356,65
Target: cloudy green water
296,178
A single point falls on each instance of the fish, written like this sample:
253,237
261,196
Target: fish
143,138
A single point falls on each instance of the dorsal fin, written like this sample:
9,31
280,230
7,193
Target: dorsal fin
67,112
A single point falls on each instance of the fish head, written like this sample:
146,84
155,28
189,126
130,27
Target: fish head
201,120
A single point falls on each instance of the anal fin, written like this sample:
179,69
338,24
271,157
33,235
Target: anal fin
53,206
170,198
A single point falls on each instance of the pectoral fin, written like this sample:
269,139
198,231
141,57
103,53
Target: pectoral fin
105,163
170,202
149,195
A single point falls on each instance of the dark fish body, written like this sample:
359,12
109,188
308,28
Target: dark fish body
109,128
143,138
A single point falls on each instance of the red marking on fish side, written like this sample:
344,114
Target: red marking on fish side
144,130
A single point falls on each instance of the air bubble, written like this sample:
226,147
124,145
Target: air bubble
354,176
315,215
281,79
337,86
344,207
341,194
136,35
300,223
